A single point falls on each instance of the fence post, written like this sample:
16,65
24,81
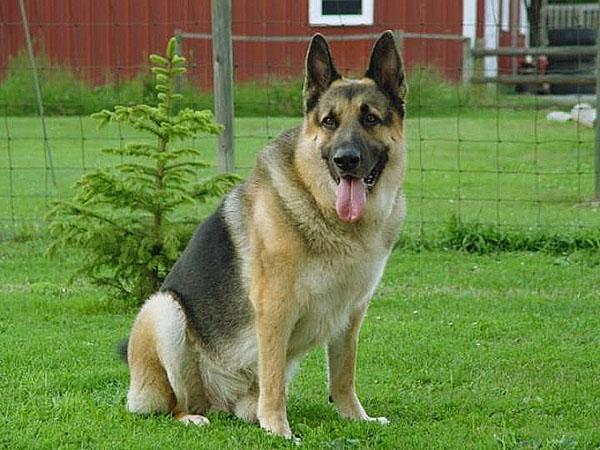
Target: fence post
514,31
223,80
38,91
467,62
597,165
543,25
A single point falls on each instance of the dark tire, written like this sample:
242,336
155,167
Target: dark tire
561,37
575,60
562,89
573,67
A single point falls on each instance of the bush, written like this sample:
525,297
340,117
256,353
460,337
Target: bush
129,218
484,239
64,94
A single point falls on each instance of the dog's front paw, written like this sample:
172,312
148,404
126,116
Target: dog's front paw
279,430
350,408
275,426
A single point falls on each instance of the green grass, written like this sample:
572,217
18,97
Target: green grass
499,167
458,351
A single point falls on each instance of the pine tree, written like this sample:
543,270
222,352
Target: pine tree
131,219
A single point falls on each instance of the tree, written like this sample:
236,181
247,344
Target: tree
131,219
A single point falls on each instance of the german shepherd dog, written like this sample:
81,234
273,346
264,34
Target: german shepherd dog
288,261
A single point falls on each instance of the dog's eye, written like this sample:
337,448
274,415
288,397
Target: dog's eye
371,120
329,123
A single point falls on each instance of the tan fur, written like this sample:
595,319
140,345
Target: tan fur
150,390
309,278
164,372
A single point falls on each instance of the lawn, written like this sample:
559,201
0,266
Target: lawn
458,351
500,167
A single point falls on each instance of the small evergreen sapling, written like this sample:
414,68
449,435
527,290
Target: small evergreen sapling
130,219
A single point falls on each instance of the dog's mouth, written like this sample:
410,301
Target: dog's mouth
371,179
351,193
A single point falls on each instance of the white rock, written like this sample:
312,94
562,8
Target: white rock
558,116
584,113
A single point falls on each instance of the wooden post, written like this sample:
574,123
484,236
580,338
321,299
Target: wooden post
514,30
543,26
467,62
597,165
223,80
478,60
38,91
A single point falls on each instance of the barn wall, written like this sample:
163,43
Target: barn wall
110,40
99,39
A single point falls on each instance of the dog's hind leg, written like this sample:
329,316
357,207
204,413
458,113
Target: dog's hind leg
246,405
165,375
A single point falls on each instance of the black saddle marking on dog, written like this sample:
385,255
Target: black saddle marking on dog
206,282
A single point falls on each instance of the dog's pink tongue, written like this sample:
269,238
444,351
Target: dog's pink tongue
351,198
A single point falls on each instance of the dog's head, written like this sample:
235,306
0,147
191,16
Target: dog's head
356,125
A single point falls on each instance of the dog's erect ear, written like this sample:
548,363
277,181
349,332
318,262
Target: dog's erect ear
320,71
386,68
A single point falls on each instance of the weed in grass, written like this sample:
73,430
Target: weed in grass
21,233
477,238
473,237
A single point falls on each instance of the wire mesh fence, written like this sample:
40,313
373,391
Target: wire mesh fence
482,154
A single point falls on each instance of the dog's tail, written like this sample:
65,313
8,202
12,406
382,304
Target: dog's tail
122,349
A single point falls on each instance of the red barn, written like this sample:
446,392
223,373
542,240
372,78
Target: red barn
111,39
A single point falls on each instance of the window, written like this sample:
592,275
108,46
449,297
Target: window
340,12
334,7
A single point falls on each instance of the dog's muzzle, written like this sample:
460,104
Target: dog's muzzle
347,159
351,192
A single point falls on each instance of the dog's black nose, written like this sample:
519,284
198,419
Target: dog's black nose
347,159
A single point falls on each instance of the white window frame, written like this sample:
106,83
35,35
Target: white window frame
315,18
505,19
491,35
470,20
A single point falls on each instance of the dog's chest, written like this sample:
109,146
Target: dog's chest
329,291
